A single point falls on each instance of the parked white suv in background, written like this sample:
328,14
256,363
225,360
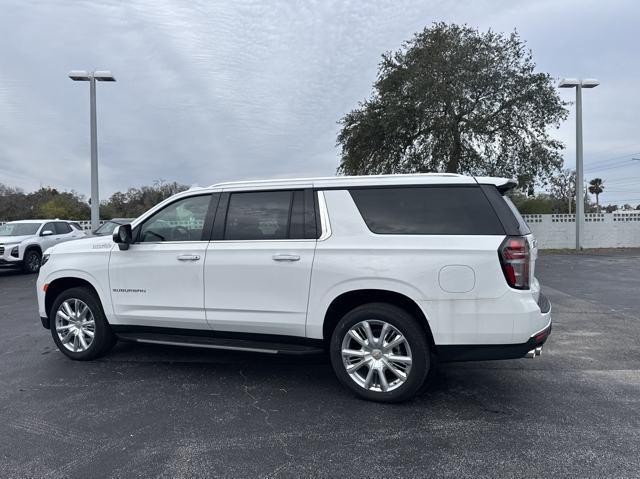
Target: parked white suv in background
22,243
387,273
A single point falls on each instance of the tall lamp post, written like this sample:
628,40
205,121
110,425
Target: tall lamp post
579,85
92,77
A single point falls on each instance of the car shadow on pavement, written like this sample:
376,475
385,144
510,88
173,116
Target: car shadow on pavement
308,372
6,271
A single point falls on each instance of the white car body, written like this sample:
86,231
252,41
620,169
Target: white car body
286,287
13,248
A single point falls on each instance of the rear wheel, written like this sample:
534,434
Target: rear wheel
78,325
31,261
380,352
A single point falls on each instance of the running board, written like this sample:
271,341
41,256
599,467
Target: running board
246,345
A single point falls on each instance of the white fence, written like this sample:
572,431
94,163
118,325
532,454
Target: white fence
601,230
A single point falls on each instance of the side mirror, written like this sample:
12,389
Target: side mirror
122,236
46,233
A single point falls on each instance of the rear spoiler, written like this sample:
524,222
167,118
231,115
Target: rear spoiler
508,186
503,185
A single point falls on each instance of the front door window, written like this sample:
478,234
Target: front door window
180,221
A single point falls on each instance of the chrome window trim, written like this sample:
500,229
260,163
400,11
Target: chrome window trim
301,240
169,242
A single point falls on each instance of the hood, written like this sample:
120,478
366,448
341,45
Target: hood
94,244
13,239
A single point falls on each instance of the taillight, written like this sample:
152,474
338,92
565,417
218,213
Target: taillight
515,256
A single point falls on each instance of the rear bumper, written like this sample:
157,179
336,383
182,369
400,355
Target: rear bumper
486,352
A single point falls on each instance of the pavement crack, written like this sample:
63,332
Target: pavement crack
255,404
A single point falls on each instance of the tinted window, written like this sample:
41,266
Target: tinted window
182,220
522,224
296,225
459,210
511,219
62,228
261,215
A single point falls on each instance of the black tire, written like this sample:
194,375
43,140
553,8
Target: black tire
31,261
103,339
414,335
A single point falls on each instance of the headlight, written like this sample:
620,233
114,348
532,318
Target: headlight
45,258
15,252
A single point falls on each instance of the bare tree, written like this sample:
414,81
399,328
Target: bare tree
563,186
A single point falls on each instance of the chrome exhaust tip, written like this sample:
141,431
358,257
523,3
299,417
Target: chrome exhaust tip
531,354
538,350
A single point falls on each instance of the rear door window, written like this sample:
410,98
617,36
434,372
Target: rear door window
427,210
263,215
62,228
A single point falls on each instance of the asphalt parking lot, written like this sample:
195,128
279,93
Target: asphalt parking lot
151,411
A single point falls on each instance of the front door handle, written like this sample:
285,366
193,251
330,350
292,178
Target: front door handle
286,257
188,257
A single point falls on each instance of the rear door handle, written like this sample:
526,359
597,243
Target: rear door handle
188,257
286,257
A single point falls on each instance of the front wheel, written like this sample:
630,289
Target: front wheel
31,261
78,325
380,352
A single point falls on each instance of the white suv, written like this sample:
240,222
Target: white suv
386,273
23,242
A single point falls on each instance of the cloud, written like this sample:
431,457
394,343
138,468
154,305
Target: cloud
213,91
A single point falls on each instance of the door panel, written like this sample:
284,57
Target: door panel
258,268
152,284
258,286
158,281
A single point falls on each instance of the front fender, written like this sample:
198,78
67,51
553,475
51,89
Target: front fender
98,284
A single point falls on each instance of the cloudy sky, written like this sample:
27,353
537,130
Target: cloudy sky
209,91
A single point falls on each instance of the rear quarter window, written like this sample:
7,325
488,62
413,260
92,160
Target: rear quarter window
427,210
509,215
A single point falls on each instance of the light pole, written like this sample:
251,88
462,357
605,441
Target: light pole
92,77
579,85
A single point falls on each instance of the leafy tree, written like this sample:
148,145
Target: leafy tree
50,203
45,202
65,206
611,208
136,201
12,202
457,100
563,187
596,186
539,204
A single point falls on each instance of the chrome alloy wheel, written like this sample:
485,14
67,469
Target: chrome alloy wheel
376,355
75,325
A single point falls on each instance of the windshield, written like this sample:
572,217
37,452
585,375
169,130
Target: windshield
19,229
107,228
